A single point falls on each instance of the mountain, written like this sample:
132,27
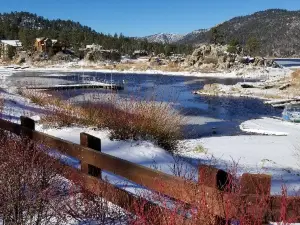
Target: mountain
277,30
164,38
27,26
194,36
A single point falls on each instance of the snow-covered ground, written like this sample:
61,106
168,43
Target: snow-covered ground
245,73
271,154
274,155
273,150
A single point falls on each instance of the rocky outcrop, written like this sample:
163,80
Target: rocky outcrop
216,57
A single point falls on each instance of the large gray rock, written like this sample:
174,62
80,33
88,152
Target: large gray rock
217,55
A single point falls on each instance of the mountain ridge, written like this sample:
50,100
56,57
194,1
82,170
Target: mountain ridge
277,31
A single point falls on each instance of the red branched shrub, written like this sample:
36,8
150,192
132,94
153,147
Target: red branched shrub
29,182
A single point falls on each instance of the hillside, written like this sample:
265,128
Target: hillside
164,38
27,26
277,30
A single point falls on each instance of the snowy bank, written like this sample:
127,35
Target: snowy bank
245,73
274,155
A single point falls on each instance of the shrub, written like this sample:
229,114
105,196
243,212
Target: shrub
29,185
126,119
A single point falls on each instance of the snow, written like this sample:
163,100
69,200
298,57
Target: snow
273,155
164,38
276,152
246,73
264,126
14,43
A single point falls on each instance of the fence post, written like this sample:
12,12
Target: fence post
27,122
258,185
92,142
215,178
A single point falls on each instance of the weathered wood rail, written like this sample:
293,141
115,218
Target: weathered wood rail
212,190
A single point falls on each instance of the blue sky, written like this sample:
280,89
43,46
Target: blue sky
144,17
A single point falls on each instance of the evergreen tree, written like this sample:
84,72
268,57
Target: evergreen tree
26,27
216,36
234,46
252,45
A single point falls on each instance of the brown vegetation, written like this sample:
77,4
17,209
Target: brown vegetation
33,191
29,183
126,119
296,78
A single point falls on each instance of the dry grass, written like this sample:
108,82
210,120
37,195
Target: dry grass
170,67
126,119
296,78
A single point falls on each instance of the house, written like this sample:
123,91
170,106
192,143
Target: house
47,45
9,48
93,47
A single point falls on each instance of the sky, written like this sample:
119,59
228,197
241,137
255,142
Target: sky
146,17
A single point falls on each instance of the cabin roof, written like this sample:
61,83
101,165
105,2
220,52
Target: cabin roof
14,43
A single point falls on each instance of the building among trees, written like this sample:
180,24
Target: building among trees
47,45
9,48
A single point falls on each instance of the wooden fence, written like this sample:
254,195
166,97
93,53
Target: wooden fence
212,187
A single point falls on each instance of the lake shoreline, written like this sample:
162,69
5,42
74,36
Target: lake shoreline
246,73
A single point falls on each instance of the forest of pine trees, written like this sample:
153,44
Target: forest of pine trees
26,27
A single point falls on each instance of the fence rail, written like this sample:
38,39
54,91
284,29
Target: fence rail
211,181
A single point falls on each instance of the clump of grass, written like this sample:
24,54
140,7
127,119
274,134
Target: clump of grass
137,120
200,149
60,118
126,119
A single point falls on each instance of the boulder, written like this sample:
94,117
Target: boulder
222,59
206,49
198,64
210,60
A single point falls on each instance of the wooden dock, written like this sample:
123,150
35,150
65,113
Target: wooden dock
96,85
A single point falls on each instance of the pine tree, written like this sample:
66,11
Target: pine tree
252,45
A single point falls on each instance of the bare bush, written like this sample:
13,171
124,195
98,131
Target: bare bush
33,189
29,183
84,207
126,119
